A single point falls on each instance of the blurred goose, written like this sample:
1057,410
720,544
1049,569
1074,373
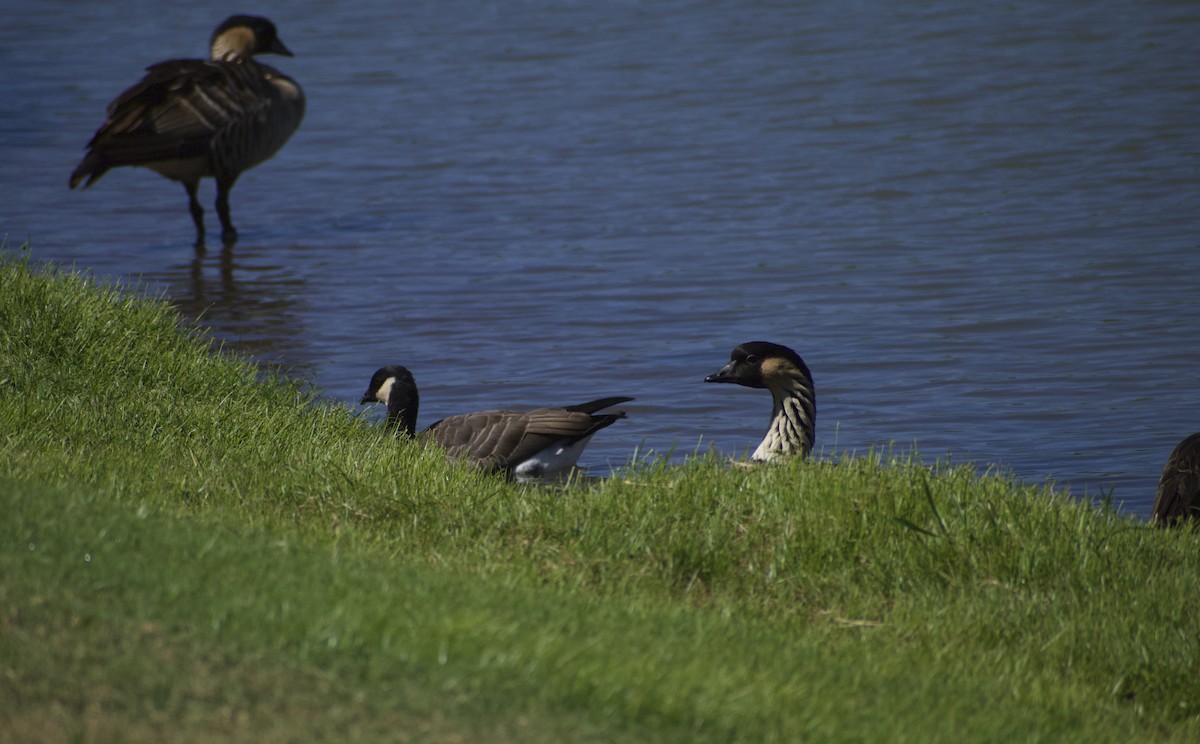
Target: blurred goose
535,446
760,364
191,118
1178,496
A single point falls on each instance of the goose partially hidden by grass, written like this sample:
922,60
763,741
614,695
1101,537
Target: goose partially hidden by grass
189,119
764,365
1178,496
533,446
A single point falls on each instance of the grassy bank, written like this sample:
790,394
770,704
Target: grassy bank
191,549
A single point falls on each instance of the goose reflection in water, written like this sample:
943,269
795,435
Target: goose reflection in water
252,305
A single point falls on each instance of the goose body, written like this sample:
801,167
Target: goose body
1178,495
189,119
764,365
531,446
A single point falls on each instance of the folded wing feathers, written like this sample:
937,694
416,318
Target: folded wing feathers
501,440
187,108
1178,495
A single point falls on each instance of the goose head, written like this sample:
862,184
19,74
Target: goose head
246,35
763,365
394,387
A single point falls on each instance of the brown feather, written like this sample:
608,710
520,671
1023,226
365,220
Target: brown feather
190,108
1178,495
501,440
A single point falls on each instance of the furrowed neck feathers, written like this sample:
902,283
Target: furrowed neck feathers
793,418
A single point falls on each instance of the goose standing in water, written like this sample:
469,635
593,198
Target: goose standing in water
189,119
535,446
1178,496
764,365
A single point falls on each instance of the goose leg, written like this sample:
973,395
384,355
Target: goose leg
196,210
228,232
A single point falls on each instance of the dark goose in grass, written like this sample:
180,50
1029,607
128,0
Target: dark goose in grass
533,446
761,364
1178,496
189,119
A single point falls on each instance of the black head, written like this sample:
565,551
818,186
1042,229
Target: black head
762,364
394,387
385,380
253,34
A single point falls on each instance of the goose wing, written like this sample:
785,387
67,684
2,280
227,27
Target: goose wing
501,440
182,109
1178,495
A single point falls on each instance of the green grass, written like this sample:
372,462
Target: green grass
193,549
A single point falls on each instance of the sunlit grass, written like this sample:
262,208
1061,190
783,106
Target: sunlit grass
167,506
